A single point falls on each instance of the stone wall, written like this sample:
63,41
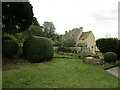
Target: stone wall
78,49
55,48
93,61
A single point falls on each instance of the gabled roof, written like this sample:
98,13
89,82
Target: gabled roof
84,35
75,33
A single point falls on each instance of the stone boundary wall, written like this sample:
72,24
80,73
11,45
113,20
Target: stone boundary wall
93,61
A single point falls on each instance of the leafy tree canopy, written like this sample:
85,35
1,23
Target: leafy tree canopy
49,29
16,16
35,31
35,22
74,29
70,42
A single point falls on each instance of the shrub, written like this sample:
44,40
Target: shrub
9,48
57,43
64,49
107,44
118,50
20,52
38,49
110,57
70,42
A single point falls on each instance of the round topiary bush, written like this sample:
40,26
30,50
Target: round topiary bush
9,48
38,49
110,57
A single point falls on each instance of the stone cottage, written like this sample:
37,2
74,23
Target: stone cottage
84,40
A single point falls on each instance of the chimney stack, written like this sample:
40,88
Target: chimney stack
81,28
66,32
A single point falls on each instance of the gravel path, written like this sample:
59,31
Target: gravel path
115,71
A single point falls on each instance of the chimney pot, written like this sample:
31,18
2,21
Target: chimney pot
81,27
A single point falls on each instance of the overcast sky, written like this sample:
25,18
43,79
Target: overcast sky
98,16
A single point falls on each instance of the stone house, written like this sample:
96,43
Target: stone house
84,40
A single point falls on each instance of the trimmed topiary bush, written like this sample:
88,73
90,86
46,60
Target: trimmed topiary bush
38,49
110,57
9,48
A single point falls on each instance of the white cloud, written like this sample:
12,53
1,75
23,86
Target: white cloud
100,16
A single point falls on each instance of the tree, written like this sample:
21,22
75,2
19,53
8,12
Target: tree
35,30
16,16
70,42
49,29
74,29
35,22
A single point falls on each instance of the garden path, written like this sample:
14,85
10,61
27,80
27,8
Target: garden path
115,71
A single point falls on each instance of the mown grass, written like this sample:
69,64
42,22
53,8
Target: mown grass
59,73
60,55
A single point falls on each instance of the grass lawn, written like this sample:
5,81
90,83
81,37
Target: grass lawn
58,73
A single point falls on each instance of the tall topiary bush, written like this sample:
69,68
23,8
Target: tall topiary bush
38,49
118,50
9,48
107,44
110,57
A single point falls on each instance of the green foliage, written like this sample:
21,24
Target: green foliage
111,65
9,48
64,49
9,36
18,37
107,44
35,22
38,49
35,30
110,57
70,42
56,37
59,73
74,29
16,16
65,56
57,43
49,29
20,52
118,49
